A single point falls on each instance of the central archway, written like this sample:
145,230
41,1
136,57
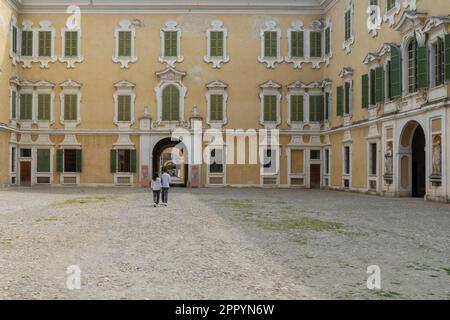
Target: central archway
413,160
177,168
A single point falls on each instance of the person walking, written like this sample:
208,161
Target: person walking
156,189
165,184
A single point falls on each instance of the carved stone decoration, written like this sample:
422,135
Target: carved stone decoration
436,158
374,19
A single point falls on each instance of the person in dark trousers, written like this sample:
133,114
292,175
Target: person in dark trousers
165,185
156,189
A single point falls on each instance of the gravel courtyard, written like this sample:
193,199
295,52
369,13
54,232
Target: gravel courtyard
221,244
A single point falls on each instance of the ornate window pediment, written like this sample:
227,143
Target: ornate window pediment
410,20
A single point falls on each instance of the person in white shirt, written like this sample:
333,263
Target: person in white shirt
156,188
165,184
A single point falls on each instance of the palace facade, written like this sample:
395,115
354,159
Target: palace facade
90,94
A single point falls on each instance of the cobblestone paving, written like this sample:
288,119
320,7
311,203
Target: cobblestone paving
221,244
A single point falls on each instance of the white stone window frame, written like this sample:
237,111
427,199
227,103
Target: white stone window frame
159,101
370,176
124,88
45,26
347,76
45,87
125,25
348,43
296,89
291,175
328,24
217,87
270,88
13,88
328,89
270,26
26,61
13,174
70,87
327,175
374,18
217,26
407,38
217,145
170,25
297,26
347,176
71,61
389,15
123,143
15,56
37,174
275,157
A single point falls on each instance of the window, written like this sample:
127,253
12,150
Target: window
348,24
45,43
316,44
270,44
390,4
327,41
373,159
314,155
70,107
412,66
372,87
216,43
25,153
297,44
26,106
170,43
270,108
44,108
297,108
171,103
124,108
71,44
14,39
327,106
439,62
347,160
216,107
27,44
43,160
13,104
327,161
124,43
316,105
267,159
270,162
123,161
216,162
13,159
69,160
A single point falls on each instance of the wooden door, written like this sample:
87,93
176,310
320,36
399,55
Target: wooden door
25,173
315,176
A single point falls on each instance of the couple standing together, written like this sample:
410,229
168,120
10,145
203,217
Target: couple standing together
160,186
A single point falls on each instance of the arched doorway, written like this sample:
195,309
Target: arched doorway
176,165
413,160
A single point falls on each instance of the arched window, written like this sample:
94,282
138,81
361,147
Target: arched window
412,66
171,103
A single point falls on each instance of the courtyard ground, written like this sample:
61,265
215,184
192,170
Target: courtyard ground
221,244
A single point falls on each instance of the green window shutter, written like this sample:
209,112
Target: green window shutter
14,37
45,43
312,109
297,44
216,112
297,109
347,98
395,72
124,43
171,104
348,24
113,161
365,91
124,108
340,101
327,40
43,160
316,44
79,160
447,57
327,106
216,43
170,43
70,107
270,108
44,107
27,43
26,107
71,44
320,108
422,67
59,160
133,161
379,85
270,44
14,104
166,104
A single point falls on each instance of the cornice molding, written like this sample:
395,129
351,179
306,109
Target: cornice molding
177,6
